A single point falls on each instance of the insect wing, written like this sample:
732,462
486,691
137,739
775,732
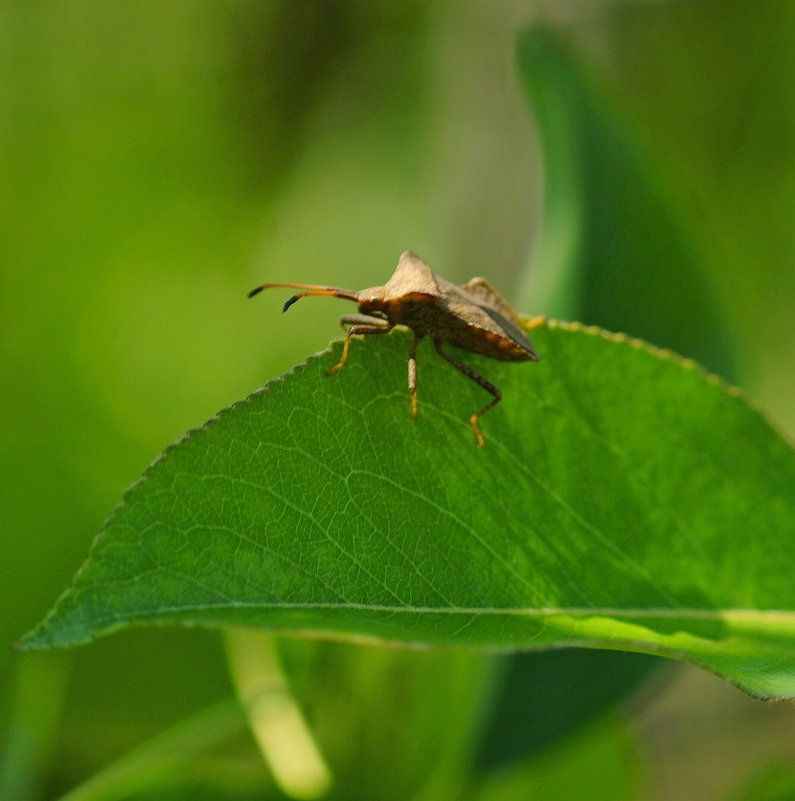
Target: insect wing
512,331
498,310
484,294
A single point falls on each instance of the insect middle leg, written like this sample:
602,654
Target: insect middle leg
359,324
413,375
481,382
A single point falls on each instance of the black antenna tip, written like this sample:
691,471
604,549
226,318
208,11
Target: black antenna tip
255,291
289,302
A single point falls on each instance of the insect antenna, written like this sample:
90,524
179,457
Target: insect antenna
310,289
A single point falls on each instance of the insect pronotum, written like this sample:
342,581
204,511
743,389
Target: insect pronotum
472,317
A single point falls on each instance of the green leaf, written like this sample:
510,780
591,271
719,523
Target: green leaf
392,723
600,761
162,763
604,205
616,250
774,782
624,500
545,696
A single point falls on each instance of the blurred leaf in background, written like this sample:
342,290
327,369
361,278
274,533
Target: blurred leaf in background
713,83
142,159
616,250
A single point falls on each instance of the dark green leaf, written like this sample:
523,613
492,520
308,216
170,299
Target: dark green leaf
599,761
614,240
624,500
545,696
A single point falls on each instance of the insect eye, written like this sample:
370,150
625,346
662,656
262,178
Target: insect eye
371,307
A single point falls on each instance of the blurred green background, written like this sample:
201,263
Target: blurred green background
157,160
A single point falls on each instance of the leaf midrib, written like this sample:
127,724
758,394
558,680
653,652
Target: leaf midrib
679,613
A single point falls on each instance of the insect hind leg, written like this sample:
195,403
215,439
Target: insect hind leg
481,382
358,324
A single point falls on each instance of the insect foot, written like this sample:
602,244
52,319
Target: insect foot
472,317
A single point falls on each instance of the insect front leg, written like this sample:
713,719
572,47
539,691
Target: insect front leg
481,382
413,375
359,324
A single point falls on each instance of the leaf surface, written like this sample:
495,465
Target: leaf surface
624,500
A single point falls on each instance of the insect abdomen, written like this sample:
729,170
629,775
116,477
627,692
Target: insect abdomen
491,344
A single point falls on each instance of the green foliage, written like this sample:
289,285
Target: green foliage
547,695
775,783
612,508
159,161
615,250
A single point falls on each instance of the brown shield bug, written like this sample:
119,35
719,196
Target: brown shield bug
472,317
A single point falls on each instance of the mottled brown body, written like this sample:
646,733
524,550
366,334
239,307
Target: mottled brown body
472,317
